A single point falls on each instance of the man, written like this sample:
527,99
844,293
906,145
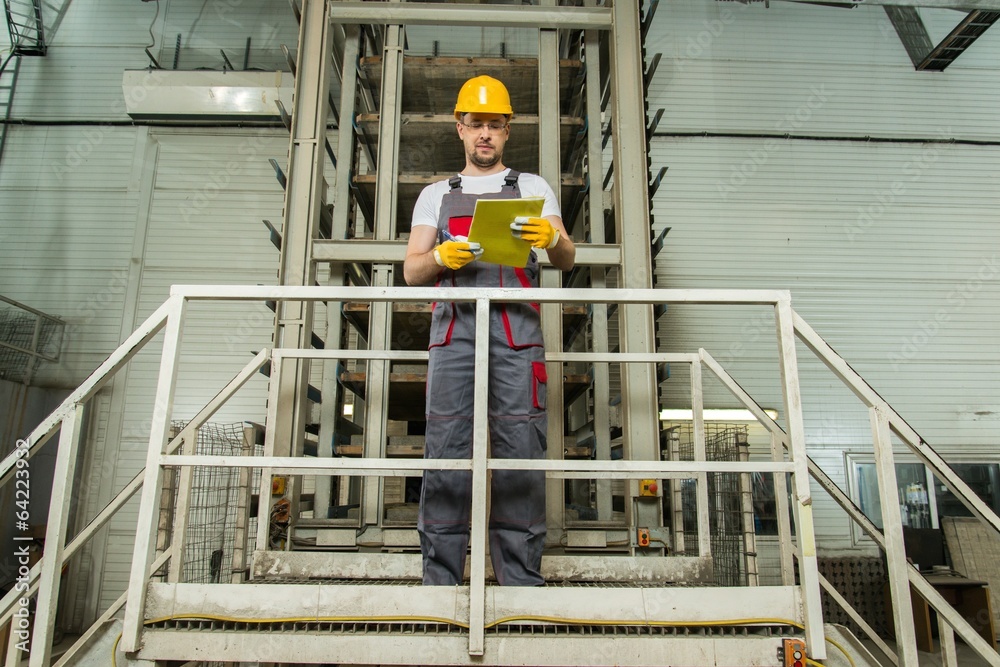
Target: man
439,253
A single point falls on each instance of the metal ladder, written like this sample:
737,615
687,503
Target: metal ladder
27,38
24,22
8,81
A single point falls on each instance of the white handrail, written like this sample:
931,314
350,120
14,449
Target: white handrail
789,322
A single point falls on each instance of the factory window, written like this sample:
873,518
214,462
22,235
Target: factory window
919,508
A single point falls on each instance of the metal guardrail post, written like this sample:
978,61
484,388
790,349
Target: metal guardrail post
808,564
146,529
55,537
700,454
895,551
480,487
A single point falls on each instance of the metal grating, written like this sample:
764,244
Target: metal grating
432,628
219,498
723,442
27,337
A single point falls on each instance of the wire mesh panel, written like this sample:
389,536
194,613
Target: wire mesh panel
27,337
219,530
726,500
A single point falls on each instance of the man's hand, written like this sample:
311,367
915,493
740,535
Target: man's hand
539,232
456,254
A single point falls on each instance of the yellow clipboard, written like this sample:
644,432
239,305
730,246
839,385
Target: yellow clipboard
491,229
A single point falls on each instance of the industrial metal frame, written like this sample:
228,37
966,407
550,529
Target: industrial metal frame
251,610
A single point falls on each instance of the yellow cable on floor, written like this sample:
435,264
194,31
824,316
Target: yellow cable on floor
499,621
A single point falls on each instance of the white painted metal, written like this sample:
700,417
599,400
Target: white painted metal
701,491
270,435
906,638
177,94
898,425
304,200
333,336
480,484
359,649
527,16
598,275
407,567
869,631
962,628
946,637
67,658
646,606
379,330
396,466
497,295
549,167
784,522
364,250
677,496
145,542
808,566
90,386
55,538
747,521
181,510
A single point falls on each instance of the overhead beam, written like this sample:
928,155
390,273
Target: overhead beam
509,16
911,31
959,5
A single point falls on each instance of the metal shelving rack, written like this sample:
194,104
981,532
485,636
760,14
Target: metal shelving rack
395,135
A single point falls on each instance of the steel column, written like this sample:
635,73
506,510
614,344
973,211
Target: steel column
640,411
598,275
303,204
328,411
551,170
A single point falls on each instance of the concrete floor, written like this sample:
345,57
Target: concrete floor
966,656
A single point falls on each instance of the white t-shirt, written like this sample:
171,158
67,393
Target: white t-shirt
428,206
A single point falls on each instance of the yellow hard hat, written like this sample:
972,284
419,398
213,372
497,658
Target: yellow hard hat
483,94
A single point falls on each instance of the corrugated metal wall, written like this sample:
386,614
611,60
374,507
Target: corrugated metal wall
884,231
805,153
99,218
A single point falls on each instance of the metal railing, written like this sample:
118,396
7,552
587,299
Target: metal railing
43,578
27,337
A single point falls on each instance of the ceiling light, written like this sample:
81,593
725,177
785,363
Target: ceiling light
715,415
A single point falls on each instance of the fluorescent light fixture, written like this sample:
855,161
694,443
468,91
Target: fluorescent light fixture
714,415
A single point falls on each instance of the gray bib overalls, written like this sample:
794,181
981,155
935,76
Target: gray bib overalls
517,419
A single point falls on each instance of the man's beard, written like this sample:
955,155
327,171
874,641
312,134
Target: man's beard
485,162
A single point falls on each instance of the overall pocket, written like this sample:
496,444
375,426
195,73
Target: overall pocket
539,379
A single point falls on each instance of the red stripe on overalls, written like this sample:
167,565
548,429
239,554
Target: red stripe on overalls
523,278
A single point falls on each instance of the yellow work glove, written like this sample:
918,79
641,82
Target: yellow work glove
456,254
539,232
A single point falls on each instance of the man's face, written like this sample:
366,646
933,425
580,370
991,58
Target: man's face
483,145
